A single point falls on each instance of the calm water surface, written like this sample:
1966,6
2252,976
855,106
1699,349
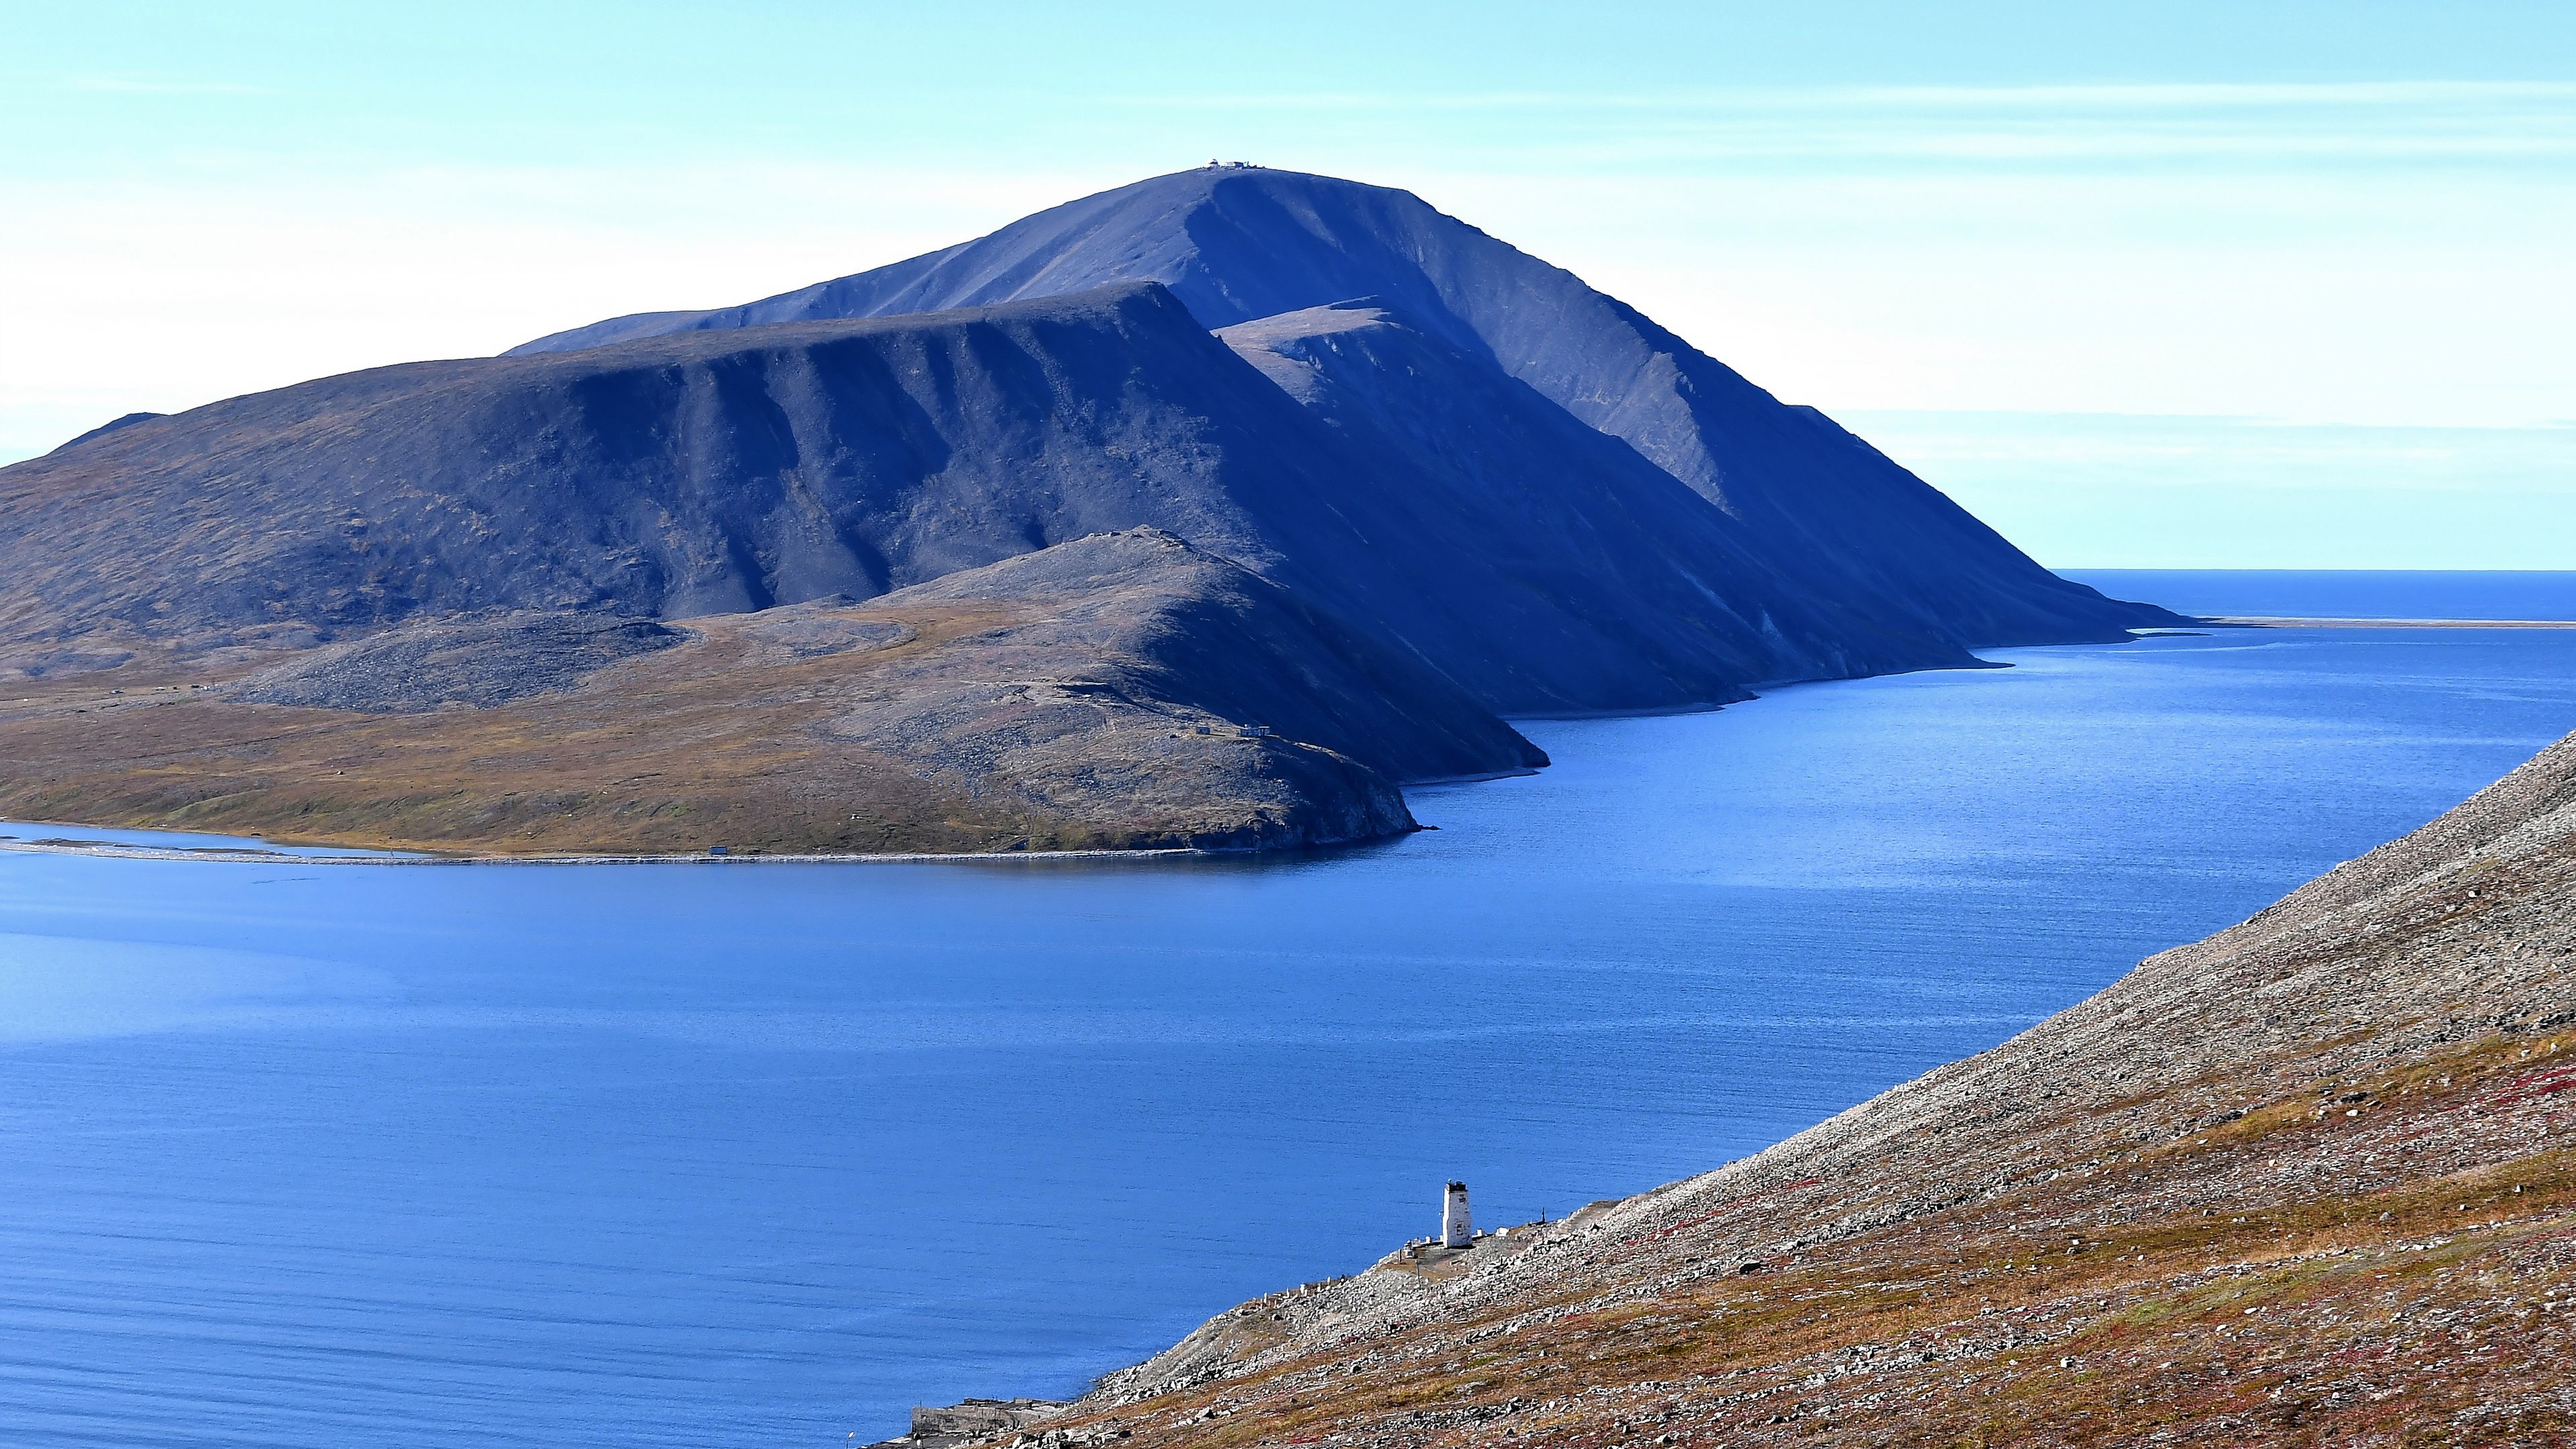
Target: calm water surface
315,1154
2345,593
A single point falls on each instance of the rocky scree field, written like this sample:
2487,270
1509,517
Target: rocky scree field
2304,1182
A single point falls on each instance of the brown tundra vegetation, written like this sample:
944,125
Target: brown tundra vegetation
2304,1182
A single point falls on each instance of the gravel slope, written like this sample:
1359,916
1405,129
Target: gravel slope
2306,1181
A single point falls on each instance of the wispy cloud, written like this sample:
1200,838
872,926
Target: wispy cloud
2199,96
2172,96
2393,121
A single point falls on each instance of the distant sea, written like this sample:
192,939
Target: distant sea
304,1153
2344,593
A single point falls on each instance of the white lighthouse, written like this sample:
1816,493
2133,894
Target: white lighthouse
1456,1231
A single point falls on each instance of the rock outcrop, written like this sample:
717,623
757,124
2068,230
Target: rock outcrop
469,661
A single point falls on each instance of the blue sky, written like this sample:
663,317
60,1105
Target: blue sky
2169,285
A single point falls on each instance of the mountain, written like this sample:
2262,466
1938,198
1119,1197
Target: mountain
111,425
1463,472
1544,566
1671,602
1240,243
2306,1181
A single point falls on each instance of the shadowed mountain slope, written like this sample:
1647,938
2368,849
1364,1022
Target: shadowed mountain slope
1560,511
737,470
1145,613
1826,510
670,478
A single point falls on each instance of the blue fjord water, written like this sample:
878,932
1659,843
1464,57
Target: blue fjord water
322,1154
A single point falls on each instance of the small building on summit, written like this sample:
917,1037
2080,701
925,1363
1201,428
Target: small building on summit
1456,1229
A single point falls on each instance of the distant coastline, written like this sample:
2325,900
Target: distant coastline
2260,621
247,855
328,852
2472,595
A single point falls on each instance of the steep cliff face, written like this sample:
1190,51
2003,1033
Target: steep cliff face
711,473
1512,479
1831,514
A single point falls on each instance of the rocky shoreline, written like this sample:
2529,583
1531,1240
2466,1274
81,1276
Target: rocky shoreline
114,850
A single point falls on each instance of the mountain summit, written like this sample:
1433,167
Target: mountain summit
1239,243
1204,511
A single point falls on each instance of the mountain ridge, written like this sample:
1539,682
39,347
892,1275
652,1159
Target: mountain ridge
1465,491
1235,244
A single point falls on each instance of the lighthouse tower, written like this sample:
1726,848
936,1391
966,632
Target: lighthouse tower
1455,1230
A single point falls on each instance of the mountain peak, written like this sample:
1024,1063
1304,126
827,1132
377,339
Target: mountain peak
1236,244
1236,241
